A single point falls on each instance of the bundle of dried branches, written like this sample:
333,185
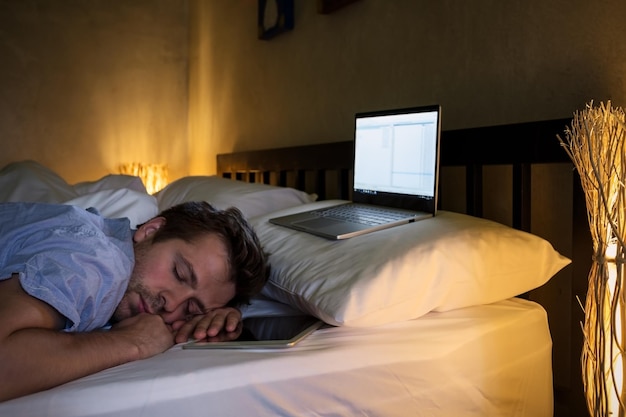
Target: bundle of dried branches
596,143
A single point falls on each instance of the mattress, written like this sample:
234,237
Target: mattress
487,360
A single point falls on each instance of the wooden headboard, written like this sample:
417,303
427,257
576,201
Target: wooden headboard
517,174
325,169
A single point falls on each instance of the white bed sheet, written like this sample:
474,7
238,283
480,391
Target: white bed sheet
490,360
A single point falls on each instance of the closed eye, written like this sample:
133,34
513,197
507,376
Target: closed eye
178,275
184,273
191,308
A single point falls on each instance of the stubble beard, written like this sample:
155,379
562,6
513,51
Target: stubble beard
136,285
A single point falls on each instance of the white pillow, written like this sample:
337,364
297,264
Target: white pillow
111,182
137,206
29,181
446,262
113,195
252,199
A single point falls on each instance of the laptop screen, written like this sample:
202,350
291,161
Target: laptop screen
396,153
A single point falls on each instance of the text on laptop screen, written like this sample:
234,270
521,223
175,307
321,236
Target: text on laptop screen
396,153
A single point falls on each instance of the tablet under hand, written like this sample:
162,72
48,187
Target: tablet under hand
265,333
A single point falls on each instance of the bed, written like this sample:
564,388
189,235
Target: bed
438,318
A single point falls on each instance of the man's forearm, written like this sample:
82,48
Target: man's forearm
32,360
38,359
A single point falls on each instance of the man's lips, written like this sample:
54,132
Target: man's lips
143,307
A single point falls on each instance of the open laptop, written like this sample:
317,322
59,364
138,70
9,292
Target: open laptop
270,332
396,175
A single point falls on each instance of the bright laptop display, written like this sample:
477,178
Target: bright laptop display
396,175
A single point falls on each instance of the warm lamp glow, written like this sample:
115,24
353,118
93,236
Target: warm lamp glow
596,143
153,176
614,365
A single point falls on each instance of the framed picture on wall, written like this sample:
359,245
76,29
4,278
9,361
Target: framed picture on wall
274,17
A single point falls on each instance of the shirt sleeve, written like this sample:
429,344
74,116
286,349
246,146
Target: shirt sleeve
73,259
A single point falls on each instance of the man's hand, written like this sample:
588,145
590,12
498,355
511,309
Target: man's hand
220,324
148,332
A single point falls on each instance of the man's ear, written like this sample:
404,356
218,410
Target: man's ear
148,229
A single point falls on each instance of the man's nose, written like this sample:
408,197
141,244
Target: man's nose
174,305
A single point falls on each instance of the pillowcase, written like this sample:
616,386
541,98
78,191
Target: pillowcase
137,206
252,199
111,182
113,196
447,262
117,195
29,181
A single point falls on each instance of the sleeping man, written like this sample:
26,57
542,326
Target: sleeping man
66,274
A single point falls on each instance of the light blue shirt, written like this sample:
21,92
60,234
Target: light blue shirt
71,258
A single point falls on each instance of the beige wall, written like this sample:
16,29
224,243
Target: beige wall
486,62
88,84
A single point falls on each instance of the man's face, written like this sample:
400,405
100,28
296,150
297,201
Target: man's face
174,278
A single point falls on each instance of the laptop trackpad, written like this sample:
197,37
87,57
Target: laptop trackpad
318,223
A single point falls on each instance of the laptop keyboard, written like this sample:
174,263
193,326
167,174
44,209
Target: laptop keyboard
369,216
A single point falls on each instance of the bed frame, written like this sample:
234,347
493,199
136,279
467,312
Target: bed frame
494,172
